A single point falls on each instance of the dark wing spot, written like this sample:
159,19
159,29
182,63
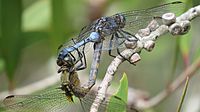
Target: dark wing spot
10,96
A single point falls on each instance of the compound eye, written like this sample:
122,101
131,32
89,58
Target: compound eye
68,61
59,62
117,15
66,58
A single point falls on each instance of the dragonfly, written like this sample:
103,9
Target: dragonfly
69,97
108,33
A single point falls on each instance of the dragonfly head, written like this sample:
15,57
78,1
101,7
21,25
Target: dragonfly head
66,64
67,61
120,20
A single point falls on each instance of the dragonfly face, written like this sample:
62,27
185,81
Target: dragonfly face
120,20
66,61
66,64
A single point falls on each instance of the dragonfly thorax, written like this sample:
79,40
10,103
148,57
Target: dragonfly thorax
106,26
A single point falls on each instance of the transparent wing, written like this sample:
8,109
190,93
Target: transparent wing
49,101
116,43
138,19
86,31
117,104
56,101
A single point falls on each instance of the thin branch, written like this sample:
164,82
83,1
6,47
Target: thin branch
181,26
189,72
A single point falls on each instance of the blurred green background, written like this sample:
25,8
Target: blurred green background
32,30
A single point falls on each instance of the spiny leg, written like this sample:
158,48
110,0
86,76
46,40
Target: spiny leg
115,37
83,64
110,47
119,51
71,55
79,67
80,56
84,57
124,33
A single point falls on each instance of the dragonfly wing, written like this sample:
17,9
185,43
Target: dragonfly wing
50,101
118,105
138,19
55,101
86,31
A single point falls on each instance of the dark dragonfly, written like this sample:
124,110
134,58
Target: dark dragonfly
110,33
69,97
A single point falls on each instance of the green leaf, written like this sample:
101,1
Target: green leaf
175,59
32,37
197,54
195,2
37,16
67,19
149,110
185,41
122,93
10,43
1,65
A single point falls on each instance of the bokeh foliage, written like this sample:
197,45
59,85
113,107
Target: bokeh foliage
23,23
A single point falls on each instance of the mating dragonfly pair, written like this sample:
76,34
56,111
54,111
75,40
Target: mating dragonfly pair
106,33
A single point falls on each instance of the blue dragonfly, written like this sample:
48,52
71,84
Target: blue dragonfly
108,33
112,31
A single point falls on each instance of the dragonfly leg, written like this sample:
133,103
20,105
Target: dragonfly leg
127,35
83,64
124,57
79,67
118,51
110,47
71,55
